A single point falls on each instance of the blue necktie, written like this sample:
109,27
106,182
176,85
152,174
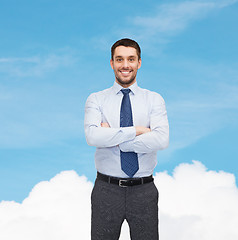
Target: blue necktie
129,160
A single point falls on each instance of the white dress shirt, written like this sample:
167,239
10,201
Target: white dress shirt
148,110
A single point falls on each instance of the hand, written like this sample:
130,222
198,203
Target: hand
141,130
105,124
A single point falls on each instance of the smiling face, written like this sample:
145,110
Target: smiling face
125,64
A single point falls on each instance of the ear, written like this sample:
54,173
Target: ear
111,63
139,64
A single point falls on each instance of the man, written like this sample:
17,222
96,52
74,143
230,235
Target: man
128,125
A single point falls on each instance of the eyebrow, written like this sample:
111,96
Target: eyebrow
132,56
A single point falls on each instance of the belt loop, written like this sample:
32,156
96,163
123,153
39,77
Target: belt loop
142,180
109,179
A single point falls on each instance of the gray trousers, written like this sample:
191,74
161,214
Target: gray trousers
112,204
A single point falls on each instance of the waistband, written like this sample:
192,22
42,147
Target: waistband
125,182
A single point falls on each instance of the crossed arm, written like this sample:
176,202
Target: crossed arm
139,130
138,139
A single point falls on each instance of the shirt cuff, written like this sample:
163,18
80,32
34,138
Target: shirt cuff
126,146
129,132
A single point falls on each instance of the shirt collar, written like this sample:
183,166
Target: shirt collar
117,87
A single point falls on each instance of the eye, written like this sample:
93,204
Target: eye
119,59
131,59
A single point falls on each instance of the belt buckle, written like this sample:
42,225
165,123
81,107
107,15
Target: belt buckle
122,181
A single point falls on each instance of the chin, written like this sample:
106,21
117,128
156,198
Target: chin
129,82
125,82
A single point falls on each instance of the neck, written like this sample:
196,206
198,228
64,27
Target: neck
125,85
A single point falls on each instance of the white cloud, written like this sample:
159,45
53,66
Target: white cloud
172,18
38,111
198,204
35,65
161,23
58,209
194,204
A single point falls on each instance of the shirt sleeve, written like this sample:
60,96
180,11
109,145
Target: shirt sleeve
158,138
100,136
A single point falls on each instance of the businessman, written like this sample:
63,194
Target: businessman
127,125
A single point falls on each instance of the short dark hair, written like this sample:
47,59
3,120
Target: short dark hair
126,42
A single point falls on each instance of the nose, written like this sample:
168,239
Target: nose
125,64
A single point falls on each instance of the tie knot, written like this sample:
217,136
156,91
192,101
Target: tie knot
125,91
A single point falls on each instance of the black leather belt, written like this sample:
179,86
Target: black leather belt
124,182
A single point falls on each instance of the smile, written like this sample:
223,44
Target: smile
125,72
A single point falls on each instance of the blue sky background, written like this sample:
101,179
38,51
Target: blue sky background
55,53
